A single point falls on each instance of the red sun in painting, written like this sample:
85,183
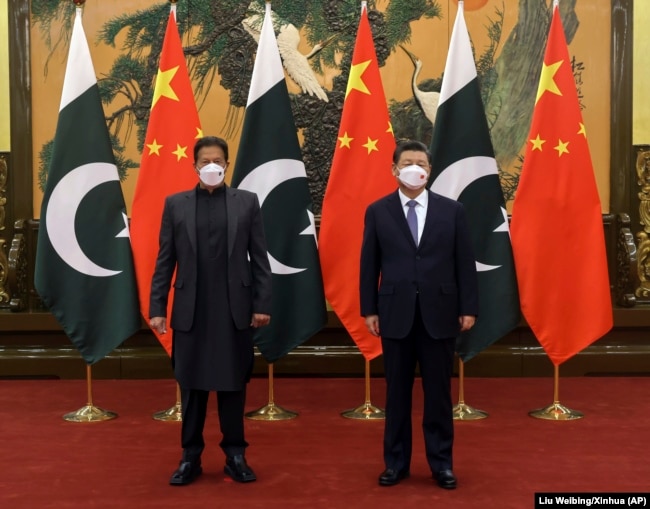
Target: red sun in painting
473,5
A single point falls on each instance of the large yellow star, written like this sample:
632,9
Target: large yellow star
345,140
546,81
179,152
163,86
354,81
582,130
371,145
562,148
199,133
154,148
537,143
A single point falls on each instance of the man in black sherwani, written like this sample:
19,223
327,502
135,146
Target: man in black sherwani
213,237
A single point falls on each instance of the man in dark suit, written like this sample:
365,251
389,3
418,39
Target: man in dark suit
418,288
213,237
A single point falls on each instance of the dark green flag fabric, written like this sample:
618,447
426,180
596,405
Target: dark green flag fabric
269,163
464,168
84,266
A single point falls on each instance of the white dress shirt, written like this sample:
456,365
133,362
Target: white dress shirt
420,209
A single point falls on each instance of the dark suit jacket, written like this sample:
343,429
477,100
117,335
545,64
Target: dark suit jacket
440,273
249,281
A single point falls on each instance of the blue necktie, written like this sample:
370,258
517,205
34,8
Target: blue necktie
412,219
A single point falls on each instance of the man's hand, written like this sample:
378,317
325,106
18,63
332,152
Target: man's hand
259,320
159,324
466,322
372,322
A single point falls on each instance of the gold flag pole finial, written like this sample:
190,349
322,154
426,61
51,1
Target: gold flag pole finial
79,3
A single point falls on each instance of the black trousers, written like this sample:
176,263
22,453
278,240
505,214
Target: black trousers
435,358
230,406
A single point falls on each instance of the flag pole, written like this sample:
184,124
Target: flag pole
367,410
556,411
271,411
173,414
462,411
89,413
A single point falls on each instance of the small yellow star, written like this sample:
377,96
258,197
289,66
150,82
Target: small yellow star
582,130
179,152
546,81
390,128
154,148
537,143
371,145
199,133
354,81
163,86
561,148
345,140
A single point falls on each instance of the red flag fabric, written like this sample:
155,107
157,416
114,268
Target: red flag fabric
360,174
557,228
167,164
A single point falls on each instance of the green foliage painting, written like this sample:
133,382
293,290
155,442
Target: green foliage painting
220,38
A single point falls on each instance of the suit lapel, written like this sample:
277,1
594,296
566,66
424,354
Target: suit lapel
395,208
232,212
428,222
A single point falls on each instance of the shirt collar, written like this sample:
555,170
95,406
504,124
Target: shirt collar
422,199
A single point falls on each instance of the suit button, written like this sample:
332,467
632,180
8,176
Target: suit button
418,257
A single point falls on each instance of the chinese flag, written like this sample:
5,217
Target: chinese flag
167,164
360,174
557,228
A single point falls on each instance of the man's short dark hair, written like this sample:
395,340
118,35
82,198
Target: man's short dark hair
414,145
210,141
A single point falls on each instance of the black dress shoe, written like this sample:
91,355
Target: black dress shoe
446,479
186,473
391,476
237,468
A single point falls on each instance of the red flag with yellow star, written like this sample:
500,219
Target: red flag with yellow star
557,227
360,174
167,164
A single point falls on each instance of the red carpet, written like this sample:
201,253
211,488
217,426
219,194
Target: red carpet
319,460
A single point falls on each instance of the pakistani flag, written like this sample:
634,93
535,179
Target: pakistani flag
464,169
84,267
269,163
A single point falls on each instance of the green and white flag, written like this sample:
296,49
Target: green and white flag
269,163
464,169
84,267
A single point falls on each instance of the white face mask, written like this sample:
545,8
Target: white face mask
212,174
413,177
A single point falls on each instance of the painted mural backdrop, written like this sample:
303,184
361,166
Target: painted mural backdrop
316,39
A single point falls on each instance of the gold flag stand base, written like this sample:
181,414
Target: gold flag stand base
367,411
556,412
463,412
271,411
90,413
173,414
